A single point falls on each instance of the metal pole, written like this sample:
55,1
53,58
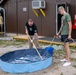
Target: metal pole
4,20
4,24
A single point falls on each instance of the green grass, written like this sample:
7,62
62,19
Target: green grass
59,53
73,59
73,47
12,43
74,66
61,73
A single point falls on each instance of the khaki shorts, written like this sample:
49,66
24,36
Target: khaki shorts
35,41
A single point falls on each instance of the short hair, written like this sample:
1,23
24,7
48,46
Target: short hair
61,8
30,20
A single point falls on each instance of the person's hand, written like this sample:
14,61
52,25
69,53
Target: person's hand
56,36
35,36
69,36
31,40
26,32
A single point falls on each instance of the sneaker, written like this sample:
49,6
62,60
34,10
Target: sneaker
63,60
67,64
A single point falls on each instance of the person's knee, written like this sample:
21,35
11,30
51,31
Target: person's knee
66,43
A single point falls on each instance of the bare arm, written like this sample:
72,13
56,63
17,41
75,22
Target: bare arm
60,27
60,30
70,29
26,30
2,19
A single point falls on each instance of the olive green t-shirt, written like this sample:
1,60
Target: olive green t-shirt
64,21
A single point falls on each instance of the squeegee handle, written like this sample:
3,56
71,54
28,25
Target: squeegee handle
35,47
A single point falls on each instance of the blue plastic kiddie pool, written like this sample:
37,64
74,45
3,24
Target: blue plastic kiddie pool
25,60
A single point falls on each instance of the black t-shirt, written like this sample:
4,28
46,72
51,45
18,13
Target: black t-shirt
31,29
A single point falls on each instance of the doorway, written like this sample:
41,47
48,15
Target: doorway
58,16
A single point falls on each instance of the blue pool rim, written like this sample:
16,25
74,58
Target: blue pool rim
25,68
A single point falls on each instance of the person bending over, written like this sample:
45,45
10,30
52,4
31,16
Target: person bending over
32,31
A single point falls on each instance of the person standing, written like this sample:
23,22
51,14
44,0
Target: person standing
1,21
32,31
65,30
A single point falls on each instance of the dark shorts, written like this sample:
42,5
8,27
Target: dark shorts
64,38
